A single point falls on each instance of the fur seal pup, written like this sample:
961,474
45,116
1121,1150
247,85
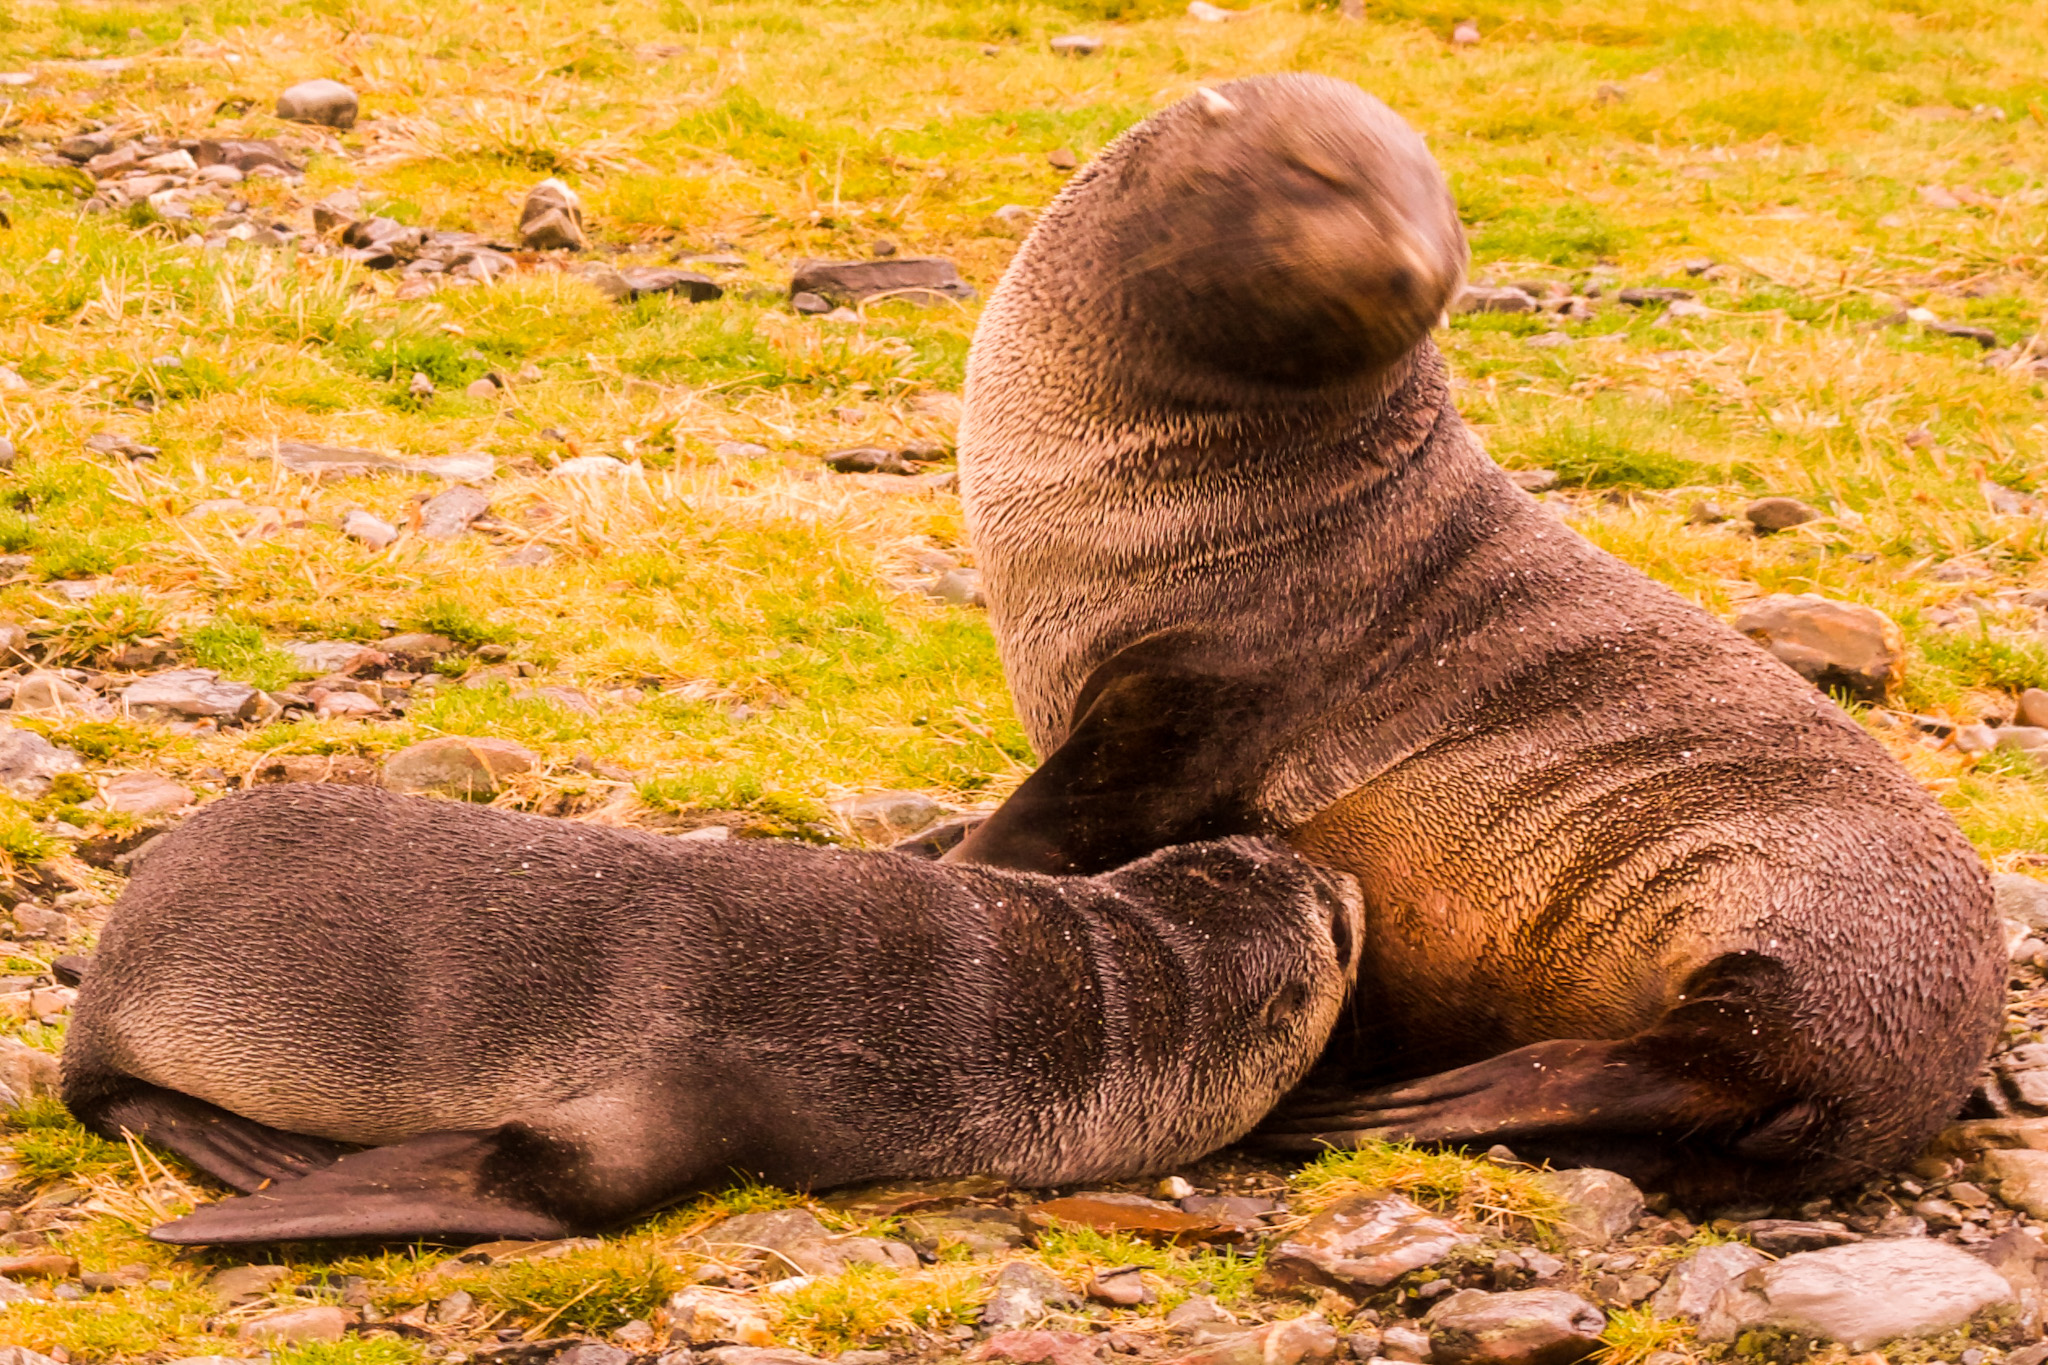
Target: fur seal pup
541,1027
1636,895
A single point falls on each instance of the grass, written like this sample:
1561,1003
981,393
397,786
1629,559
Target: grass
741,620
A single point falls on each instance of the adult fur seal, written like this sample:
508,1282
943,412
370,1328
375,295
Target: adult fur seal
542,1027
1636,895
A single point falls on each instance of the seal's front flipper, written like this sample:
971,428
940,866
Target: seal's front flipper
1158,756
239,1152
441,1187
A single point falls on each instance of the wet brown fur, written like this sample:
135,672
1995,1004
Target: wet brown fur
542,1027
1636,894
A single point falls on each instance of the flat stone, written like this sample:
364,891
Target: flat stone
866,460
980,1231
1076,44
123,447
144,794
1692,1284
1831,644
1120,1286
918,279
244,155
1306,1340
1024,1292
551,218
1861,1296
52,694
190,694
884,817
1599,1206
28,762
241,1283
1132,1215
1779,514
323,657
1474,298
600,1353
319,101
2033,710
1038,1348
417,647
750,1355
634,282
296,1325
1363,1242
467,766
1786,1236
447,515
1524,1327
2022,1179
1637,298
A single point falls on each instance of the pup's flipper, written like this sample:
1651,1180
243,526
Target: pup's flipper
436,1188
236,1151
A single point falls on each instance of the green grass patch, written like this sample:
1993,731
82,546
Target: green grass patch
1469,1186
50,1145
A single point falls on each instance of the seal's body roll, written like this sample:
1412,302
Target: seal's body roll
1635,893
543,1027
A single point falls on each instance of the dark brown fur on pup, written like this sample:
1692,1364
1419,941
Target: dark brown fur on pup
541,1027
1636,894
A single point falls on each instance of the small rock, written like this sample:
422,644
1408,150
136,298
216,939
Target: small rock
22,1355
1533,480
591,466
1038,1348
1465,33
808,303
296,1325
1405,1341
51,694
2019,898
371,531
1024,1292
917,279
1201,1313
638,281
1638,298
1829,643
961,587
1013,219
1779,514
25,1072
454,1307
447,515
1062,159
420,386
2022,1177
482,389
595,1353
1475,298
551,219
1076,45
884,817
40,921
701,1315
1362,1243
1122,1287
980,1231
319,101
528,557
866,460
191,694
738,450
1861,1296
1523,1327
28,762
755,1355
144,794
1306,1340
1693,1282
10,1292
345,657
113,443
1599,1206
417,647
471,767
1785,1236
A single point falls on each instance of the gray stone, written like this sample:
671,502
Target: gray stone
1692,1284
1362,1243
1201,1313
11,1292
40,921
319,101
809,304
1599,1206
1786,1236
918,279
885,817
1830,644
322,657
244,155
467,766
1076,44
1024,1291
28,762
1779,514
447,515
1475,298
866,460
52,694
126,448
243,1283
701,1315
417,647
1533,480
144,794
753,1355
739,450
26,1072
595,1353
371,531
1306,1340
454,1307
1524,1327
2022,899
2022,1179
551,219
190,694
1637,298
961,587
1861,1296
980,1231
296,1325
634,282
2033,707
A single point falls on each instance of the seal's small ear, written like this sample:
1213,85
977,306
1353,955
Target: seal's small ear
1214,105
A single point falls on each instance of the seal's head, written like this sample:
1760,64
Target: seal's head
1268,947
1263,238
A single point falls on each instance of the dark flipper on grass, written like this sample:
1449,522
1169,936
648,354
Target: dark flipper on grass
234,1150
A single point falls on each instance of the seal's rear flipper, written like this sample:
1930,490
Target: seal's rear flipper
234,1150
436,1188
